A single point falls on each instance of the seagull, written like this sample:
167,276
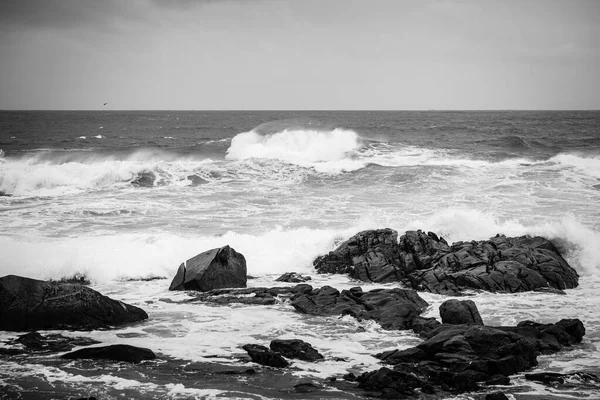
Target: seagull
105,103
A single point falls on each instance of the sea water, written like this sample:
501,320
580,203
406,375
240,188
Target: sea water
283,188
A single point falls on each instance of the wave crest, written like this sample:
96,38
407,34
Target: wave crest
295,146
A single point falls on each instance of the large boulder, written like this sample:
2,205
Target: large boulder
458,312
295,348
426,262
31,304
214,269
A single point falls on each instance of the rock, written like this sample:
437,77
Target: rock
262,355
426,262
30,304
391,308
496,396
306,387
293,277
195,180
33,341
458,312
295,348
116,352
213,269
144,179
554,377
371,256
457,357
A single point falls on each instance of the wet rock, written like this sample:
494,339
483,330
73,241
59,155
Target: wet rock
428,263
459,357
195,180
30,304
293,277
33,341
306,387
371,256
262,355
214,269
554,377
391,308
496,396
295,348
116,352
458,312
144,179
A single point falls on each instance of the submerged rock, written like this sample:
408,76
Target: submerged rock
31,304
426,262
293,277
262,355
144,179
214,269
295,348
115,352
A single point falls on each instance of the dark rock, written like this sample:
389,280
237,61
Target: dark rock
30,304
77,279
116,352
34,342
457,358
554,377
293,277
371,256
426,262
350,377
262,355
213,269
496,396
458,312
295,348
306,387
144,179
391,308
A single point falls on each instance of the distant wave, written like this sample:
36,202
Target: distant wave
297,146
585,164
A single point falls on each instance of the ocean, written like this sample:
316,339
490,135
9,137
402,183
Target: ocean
122,197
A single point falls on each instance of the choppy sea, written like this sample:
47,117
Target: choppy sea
283,188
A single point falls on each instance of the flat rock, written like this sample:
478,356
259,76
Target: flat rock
30,304
293,277
116,352
214,269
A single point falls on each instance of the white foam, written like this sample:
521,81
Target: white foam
588,165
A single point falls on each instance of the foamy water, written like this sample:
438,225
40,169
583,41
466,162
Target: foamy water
282,197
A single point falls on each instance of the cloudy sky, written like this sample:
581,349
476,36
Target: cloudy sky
299,54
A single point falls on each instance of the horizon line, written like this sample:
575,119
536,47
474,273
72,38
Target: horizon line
300,110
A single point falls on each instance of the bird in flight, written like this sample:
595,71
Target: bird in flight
105,103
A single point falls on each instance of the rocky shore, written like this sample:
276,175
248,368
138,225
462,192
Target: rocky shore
457,354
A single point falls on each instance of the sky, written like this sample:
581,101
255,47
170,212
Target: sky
299,54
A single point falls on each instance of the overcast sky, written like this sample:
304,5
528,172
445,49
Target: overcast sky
299,54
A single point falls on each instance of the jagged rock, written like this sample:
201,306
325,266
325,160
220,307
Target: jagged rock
30,304
116,352
214,269
458,312
496,396
262,355
391,308
295,348
458,357
371,256
195,180
144,179
293,277
426,262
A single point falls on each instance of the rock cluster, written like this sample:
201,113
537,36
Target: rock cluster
427,262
